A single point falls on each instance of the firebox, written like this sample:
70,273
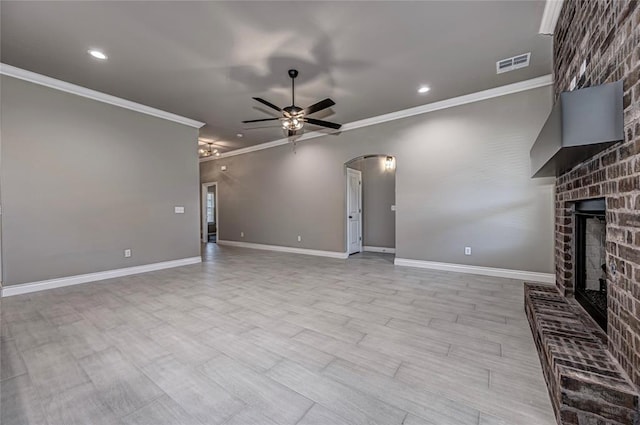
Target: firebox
590,250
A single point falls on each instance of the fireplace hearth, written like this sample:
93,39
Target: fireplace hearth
590,254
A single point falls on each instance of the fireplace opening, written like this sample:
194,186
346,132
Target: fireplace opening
591,267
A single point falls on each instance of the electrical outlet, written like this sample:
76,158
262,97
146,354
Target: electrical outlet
242,234
299,238
127,253
467,250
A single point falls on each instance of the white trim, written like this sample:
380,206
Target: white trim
262,146
367,248
550,16
25,288
53,83
279,248
203,211
485,271
521,86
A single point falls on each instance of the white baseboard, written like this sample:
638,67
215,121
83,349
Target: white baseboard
25,288
379,249
486,271
290,249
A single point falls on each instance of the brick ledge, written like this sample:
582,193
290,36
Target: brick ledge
585,383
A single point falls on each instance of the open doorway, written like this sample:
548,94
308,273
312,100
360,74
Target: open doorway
209,213
370,204
354,211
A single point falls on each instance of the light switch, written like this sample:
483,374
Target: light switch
393,207
178,210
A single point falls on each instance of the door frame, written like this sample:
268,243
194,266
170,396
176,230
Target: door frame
346,215
203,211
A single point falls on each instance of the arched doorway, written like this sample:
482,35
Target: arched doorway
370,204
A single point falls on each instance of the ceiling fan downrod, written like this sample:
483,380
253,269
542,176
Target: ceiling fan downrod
293,73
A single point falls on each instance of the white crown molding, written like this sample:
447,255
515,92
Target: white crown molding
520,86
289,249
550,16
43,80
367,248
485,271
254,148
26,288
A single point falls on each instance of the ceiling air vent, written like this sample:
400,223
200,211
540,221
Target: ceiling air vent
516,62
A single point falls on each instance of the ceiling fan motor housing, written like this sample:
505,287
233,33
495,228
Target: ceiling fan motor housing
292,110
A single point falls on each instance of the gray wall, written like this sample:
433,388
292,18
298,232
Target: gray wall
462,179
378,195
83,180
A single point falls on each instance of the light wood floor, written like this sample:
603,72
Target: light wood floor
262,338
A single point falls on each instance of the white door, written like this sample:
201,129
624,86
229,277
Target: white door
354,211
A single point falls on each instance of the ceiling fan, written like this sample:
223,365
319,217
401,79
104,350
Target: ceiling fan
293,117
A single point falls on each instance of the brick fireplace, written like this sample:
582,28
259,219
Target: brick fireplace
593,373
605,34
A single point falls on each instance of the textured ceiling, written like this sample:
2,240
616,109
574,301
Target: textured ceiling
205,60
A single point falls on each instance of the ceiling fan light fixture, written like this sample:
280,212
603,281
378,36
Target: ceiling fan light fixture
293,123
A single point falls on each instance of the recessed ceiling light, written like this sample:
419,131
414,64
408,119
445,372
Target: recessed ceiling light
240,135
97,54
423,89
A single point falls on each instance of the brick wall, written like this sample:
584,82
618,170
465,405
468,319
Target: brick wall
607,35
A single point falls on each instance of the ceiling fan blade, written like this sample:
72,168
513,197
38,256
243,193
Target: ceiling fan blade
323,123
260,120
269,104
323,104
